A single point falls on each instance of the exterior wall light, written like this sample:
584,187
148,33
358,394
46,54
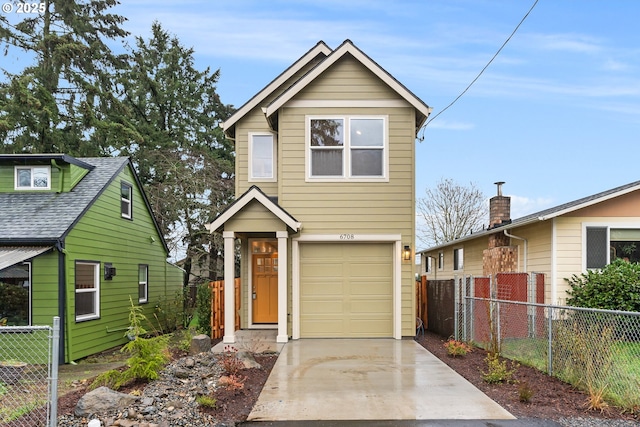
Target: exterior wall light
406,253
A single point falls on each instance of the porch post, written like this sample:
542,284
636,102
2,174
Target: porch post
282,286
229,287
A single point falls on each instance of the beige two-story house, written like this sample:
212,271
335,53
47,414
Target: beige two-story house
324,211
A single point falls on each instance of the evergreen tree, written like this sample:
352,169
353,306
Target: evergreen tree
65,100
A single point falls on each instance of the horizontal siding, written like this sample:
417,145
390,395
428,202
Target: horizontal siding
103,236
255,218
44,288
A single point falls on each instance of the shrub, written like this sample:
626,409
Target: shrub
525,393
497,371
206,401
615,287
230,362
203,308
456,348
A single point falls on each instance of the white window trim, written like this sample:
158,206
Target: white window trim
274,170
440,265
609,226
129,214
145,282
31,187
96,290
346,157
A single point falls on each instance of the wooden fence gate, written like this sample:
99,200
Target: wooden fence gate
217,307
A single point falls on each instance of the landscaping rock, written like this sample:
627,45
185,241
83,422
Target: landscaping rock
247,359
200,344
102,399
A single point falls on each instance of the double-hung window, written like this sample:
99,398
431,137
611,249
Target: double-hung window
32,178
262,155
126,200
87,290
605,243
347,148
143,283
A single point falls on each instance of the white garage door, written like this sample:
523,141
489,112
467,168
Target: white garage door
346,290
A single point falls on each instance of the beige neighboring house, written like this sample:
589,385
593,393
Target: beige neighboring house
324,211
568,239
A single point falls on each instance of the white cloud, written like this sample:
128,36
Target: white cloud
523,206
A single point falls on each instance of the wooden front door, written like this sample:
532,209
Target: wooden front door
265,288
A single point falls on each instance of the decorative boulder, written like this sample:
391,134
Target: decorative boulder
200,344
101,400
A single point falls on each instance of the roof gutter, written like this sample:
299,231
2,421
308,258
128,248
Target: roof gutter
61,179
506,233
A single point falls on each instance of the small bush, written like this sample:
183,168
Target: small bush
206,401
456,348
525,392
497,371
203,308
233,382
230,362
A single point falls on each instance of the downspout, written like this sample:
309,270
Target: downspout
61,178
506,233
62,298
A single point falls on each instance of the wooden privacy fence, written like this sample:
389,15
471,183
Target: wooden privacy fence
217,307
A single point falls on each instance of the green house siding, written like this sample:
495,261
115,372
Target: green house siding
44,288
103,236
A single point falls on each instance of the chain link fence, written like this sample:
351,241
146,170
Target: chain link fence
595,350
29,375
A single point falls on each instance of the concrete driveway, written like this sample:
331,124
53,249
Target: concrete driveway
368,379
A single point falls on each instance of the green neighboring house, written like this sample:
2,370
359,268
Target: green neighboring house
78,240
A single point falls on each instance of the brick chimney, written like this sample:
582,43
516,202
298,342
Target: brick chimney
499,213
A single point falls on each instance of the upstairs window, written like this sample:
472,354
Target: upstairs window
440,260
262,155
347,148
32,178
126,200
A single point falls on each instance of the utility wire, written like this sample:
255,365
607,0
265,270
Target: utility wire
421,138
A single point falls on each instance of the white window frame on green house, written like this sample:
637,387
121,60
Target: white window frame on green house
126,200
143,283
36,173
611,238
352,142
262,157
88,288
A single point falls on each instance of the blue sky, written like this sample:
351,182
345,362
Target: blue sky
556,115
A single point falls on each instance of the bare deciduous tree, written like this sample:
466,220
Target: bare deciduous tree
449,211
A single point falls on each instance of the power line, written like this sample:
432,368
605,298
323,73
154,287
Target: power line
421,138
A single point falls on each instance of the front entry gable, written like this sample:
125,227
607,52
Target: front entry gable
254,211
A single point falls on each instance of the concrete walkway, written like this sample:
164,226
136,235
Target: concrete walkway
368,379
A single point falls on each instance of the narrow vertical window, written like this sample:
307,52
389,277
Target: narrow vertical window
440,260
262,154
87,289
597,247
458,259
327,147
126,202
143,283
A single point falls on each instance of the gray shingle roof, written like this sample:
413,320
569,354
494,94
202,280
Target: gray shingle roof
549,213
37,217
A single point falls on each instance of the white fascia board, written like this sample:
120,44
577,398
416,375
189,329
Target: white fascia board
275,84
348,47
253,194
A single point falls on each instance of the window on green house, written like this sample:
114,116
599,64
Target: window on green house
32,178
87,290
15,295
143,283
126,200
